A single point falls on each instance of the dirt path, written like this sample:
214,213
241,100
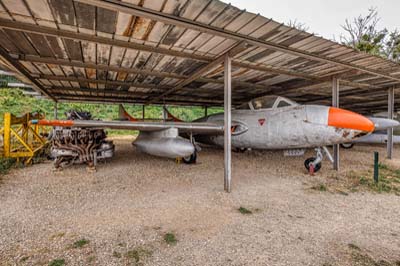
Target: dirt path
125,209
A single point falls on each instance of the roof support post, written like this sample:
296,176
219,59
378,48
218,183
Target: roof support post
205,111
390,116
143,111
227,122
335,103
55,110
164,114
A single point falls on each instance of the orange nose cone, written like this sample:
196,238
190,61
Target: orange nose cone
341,118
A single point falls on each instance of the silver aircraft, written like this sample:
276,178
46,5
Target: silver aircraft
271,122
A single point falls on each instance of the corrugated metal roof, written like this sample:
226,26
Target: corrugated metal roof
152,51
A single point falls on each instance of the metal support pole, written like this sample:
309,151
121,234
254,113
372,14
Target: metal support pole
227,119
165,116
143,110
335,103
56,110
376,167
206,111
390,130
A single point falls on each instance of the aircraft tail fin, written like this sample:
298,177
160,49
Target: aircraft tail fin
171,117
124,115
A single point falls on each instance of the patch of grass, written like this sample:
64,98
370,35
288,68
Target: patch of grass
243,210
57,262
320,187
170,238
383,166
366,260
80,243
116,254
91,259
133,254
6,164
356,181
364,180
397,173
363,259
138,254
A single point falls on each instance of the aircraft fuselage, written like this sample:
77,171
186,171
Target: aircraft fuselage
292,127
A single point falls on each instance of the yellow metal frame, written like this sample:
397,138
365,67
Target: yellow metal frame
20,138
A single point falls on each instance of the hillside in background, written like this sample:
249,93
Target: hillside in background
15,102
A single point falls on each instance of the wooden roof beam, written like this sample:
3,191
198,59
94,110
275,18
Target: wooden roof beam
203,70
26,27
136,10
108,99
64,62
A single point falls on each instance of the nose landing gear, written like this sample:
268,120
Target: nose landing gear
314,164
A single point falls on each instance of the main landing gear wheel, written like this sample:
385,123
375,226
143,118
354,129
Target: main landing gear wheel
311,168
190,159
239,150
347,145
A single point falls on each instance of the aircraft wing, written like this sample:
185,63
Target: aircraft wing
203,128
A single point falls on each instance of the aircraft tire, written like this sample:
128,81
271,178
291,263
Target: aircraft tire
310,160
347,145
190,159
239,150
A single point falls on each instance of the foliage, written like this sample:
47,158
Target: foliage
363,34
6,164
80,243
389,181
170,238
57,262
298,25
14,101
138,254
244,210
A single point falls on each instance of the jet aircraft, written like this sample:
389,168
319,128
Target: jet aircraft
270,122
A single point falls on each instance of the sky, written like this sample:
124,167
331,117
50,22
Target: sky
323,17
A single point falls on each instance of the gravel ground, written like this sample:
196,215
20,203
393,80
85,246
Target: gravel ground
125,209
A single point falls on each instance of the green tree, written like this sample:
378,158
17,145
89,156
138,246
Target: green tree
363,34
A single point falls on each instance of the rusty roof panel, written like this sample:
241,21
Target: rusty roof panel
109,64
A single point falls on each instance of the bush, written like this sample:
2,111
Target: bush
6,164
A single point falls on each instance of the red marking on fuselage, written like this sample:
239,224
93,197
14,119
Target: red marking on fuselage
261,121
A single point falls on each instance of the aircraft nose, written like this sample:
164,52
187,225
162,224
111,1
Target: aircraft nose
341,118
